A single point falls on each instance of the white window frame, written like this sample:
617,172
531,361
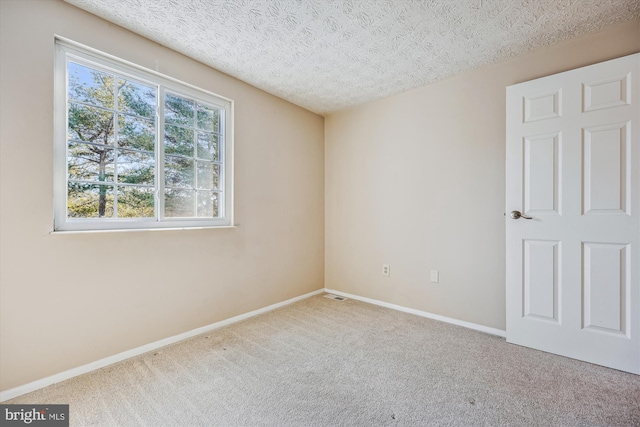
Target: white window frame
68,50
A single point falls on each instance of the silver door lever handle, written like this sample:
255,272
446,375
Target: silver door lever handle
517,215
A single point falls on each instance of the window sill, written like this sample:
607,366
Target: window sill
124,230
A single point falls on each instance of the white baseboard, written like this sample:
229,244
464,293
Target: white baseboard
475,326
74,372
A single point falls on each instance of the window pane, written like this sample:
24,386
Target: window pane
90,124
134,98
135,202
135,167
135,132
90,163
178,110
208,146
178,140
178,172
207,204
208,175
89,201
178,203
89,85
208,118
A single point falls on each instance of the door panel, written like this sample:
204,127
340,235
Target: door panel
606,287
541,279
573,166
541,173
542,107
608,93
606,176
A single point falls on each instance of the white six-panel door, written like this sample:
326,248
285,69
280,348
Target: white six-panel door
573,167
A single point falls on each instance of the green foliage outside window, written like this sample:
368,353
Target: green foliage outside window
112,150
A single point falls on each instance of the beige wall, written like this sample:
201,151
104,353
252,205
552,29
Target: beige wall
66,300
417,181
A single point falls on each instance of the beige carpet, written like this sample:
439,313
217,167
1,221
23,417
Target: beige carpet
321,362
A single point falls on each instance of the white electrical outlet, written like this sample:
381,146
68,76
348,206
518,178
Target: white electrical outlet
386,270
435,276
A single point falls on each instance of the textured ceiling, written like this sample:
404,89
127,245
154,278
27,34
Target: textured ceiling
327,55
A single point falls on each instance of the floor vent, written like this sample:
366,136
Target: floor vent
335,297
